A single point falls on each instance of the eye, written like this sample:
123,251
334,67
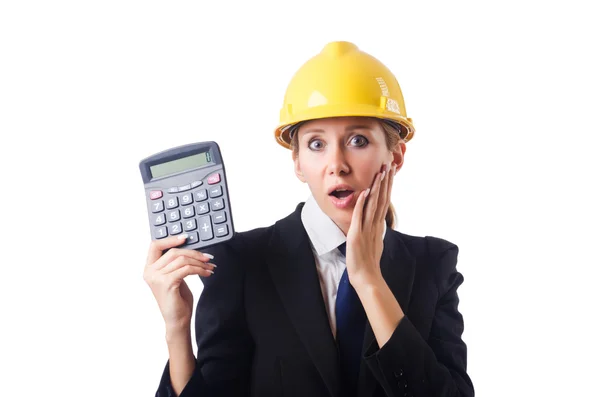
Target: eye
363,141
313,147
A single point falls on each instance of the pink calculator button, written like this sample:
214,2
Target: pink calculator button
155,194
214,178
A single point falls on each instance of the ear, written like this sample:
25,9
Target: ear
297,168
398,154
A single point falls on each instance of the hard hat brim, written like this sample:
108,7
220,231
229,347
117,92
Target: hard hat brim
282,132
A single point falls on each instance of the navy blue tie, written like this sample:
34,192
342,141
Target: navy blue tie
350,322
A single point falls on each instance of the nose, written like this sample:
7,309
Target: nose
336,160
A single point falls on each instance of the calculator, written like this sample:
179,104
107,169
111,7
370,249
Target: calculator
186,192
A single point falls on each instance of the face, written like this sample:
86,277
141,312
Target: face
342,153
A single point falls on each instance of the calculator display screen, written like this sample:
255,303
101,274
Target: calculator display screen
182,164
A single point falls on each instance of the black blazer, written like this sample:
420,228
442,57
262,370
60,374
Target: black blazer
262,328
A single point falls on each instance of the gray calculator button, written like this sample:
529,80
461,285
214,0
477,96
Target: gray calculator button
216,191
160,232
185,187
192,238
173,216
173,202
196,184
200,195
160,220
221,230
206,232
175,228
202,209
158,206
173,189
216,205
190,224
187,199
188,212
220,217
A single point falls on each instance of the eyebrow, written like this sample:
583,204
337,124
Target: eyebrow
349,128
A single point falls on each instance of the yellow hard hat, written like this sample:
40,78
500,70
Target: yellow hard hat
342,81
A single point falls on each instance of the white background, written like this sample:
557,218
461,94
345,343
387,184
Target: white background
504,96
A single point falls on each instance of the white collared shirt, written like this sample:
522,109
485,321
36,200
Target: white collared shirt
325,237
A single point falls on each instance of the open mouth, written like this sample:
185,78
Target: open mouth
341,194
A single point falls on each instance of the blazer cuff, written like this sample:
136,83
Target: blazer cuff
165,388
396,365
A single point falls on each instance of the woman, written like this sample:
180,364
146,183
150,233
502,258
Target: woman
330,300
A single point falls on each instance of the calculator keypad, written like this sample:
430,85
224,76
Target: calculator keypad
199,212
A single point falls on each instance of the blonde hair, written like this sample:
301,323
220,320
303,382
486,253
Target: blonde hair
394,134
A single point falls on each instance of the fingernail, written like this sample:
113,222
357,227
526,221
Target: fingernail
210,271
367,192
383,175
183,236
212,264
209,256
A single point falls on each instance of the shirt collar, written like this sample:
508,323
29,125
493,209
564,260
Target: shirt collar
323,233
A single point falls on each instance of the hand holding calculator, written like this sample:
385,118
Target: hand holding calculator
186,192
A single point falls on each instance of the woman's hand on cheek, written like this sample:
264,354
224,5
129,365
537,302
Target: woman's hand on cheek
364,242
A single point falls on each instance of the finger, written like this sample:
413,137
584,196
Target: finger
185,271
388,190
356,224
173,253
182,261
373,198
381,202
158,246
391,184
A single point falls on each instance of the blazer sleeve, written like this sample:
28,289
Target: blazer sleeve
409,365
225,346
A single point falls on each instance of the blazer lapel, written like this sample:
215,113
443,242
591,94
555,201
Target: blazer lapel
398,270
294,272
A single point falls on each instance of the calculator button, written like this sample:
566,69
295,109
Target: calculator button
155,194
160,220
217,204
220,217
192,238
221,231
173,216
160,232
188,212
189,225
173,202
187,199
175,228
216,191
200,195
158,206
206,232
185,187
196,184
173,189
202,209
214,178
